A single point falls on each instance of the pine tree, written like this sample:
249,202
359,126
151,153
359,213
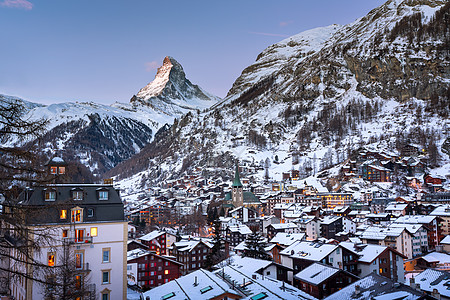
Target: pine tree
255,247
217,253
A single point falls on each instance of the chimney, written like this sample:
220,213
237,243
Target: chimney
195,281
436,294
357,291
412,282
418,286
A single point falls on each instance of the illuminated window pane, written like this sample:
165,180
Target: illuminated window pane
93,231
63,214
51,260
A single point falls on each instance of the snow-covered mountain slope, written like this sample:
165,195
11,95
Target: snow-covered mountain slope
311,100
172,93
101,135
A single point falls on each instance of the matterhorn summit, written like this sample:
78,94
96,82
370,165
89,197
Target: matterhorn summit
172,93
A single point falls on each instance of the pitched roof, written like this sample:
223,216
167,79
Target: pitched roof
431,279
309,250
316,273
237,180
287,239
200,284
152,235
375,286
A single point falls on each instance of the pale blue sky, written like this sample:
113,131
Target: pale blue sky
105,51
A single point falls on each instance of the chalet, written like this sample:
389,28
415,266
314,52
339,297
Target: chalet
287,239
320,280
341,211
398,238
364,259
300,255
191,253
309,225
155,241
150,269
273,229
330,225
237,234
375,172
396,209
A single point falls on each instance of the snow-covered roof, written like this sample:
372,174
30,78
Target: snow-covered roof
309,250
437,257
442,211
256,286
329,219
281,226
152,235
380,233
316,273
367,252
446,240
415,219
200,284
189,245
396,207
136,253
375,286
411,228
242,229
434,279
287,239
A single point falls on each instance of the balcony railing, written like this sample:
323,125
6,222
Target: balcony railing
83,267
80,240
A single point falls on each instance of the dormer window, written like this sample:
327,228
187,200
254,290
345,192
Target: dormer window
54,170
103,195
50,195
77,195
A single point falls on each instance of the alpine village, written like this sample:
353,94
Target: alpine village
323,174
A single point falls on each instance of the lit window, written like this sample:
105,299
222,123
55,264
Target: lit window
77,215
103,195
78,280
79,235
166,272
51,259
64,233
106,255
63,214
105,277
53,170
79,260
62,170
50,196
93,231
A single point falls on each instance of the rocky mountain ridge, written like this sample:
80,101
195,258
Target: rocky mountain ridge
172,93
101,136
382,80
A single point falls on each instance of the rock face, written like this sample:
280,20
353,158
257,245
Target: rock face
172,93
399,50
319,94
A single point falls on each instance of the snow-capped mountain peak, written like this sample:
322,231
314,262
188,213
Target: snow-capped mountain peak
156,87
172,93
